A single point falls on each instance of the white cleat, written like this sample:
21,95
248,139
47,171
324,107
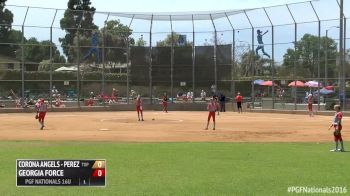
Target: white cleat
334,150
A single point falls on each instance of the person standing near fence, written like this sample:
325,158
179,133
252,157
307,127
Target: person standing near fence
310,101
203,95
138,103
114,97
222,103
239,100
165,103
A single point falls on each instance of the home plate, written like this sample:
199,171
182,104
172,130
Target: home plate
104,129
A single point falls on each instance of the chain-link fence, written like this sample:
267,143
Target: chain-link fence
267,54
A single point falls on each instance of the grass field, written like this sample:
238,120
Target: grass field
186,168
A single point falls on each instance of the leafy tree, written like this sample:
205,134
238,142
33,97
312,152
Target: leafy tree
6,19
251,65
79,14
176,40
306,55
116,40
141,42
35,51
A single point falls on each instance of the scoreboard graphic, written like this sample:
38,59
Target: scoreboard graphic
61,172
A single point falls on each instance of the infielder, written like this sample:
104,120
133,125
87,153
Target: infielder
41,109
212,108
138,103
337,129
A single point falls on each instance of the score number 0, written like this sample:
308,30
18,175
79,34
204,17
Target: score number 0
100,169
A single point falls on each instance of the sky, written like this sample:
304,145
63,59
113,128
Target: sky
326,9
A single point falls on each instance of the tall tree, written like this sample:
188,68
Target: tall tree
141,42
116,39
306,55
251,65
78,15
178,40
35,51
6,19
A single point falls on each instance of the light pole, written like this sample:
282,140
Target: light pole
326,55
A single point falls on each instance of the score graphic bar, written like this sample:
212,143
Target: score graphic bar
61,172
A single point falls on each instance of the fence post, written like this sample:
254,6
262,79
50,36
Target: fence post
273,59
150,63
51,51
22,52
215,53
172,62
295,58
233,60
193,60
253,62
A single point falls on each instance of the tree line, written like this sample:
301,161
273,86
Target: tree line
114,36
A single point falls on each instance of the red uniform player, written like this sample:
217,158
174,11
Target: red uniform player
41,109
239,100
310,101
212,108
138,103
165,103
337,129
114,95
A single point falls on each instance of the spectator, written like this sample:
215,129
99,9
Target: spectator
114,97
222,103
92,95
203,95
189,95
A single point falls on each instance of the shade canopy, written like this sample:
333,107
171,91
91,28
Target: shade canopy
267,83
258,82
297,84
324,91
313,84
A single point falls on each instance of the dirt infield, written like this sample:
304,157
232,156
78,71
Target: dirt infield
169,127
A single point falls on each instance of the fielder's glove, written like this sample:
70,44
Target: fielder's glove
336,133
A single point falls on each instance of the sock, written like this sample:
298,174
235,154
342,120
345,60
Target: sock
342,145
336,145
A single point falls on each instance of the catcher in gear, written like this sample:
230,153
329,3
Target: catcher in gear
337,129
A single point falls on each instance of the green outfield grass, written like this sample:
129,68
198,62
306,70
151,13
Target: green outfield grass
186,168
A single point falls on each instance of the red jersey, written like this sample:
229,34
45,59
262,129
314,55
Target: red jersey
239,98
41,107
212,107
337,118
310,100
138,102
